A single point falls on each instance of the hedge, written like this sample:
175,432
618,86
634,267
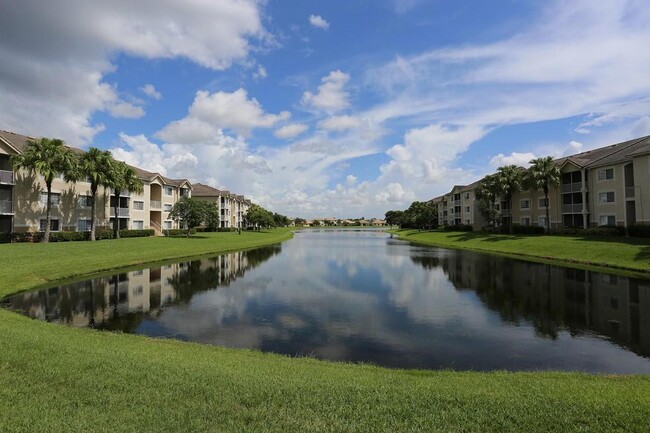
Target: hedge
178,232
65,236
639,230
458,228
519,229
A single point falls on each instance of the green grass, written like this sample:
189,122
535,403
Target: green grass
631,254
57,379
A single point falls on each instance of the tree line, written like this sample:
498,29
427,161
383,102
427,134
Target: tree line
420,215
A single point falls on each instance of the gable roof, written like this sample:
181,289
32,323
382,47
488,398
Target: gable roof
202,190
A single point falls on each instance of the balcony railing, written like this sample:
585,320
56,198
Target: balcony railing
121,212
629,192
506,212
572,208
155,204
456,202
572,187
6,206
7,177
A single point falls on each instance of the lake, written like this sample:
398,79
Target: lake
361,296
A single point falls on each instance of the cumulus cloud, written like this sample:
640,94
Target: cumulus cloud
291,130
515,158
150,91
126,109
260,73
331,95
350,179
221,110
54,84
340,123
318,21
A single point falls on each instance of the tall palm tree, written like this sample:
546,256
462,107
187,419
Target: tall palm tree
47,157
487,191
510,179
542,174
95,166
122,178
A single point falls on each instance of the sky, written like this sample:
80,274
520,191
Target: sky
321,109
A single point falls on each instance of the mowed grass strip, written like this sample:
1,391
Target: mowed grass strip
59,379
605,251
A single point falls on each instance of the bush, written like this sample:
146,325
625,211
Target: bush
640,230
66,236
177,232
137,233
519,229
5,238
602,231
458,228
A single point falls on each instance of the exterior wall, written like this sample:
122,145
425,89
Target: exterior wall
642,188
615,185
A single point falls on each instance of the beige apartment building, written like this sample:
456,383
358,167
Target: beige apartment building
232,207
605,186
23,198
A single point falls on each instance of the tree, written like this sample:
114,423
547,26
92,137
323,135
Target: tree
487,192
122,178
394,217
510,180
299,221
47,157
96,167
420,215
258,217
211,216
190,212
543,173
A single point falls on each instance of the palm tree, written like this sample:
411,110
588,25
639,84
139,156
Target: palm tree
47,157
510,180
122,178
94,166
487,191
542,174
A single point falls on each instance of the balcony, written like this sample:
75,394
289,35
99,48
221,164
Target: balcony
6,207
572,187
121,212
572,208
7,177
506,212
629,192
155,204
457,202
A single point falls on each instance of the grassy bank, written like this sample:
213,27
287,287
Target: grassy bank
57,379
632,254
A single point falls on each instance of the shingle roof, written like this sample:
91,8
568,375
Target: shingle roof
611,154
17,141
201,190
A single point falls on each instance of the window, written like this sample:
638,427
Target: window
607,220
185,192
55,198
138,205
137,273
525,221
524,204
541,221
169,190
609,279
83,225
466,196
606,174
138,290
606,197
137,225
167,225
54,225
466,208
85,201
168,207
542,203
467,222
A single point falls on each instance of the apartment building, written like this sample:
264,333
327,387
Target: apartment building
23,198
232,207
604,186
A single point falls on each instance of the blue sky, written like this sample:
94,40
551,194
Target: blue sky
321,109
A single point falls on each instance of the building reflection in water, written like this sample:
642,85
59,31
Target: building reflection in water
553,299
122,301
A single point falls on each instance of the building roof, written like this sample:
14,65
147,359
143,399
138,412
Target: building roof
611,154
17,141
202,190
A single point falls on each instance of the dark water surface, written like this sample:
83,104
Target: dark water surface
361,296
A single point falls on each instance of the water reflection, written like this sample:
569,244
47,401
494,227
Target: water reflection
551,298
362,296
122,301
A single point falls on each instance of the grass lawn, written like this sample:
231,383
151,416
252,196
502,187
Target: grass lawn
632,254
57,379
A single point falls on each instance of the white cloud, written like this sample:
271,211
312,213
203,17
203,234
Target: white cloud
291,130
55,79
150,91
515,158
127,110
221,110
318,21
331,96
340,123
260,73
350,179
394,193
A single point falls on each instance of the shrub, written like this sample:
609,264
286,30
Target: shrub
602,231
67,236
137,233
5,238
177,232
458,228
519,229
640,230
